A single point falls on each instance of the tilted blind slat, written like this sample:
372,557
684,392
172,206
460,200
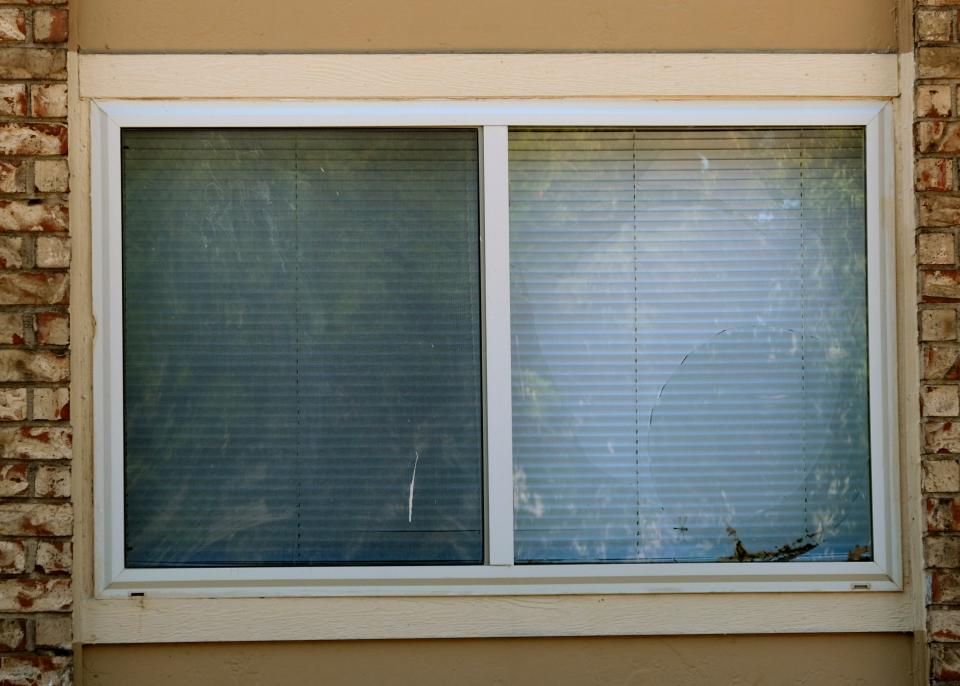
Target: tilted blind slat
302,347
689,344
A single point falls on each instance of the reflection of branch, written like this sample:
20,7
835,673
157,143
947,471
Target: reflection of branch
785,553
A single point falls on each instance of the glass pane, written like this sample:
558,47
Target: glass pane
689,345
301,347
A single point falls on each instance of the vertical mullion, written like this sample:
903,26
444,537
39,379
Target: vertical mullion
496,326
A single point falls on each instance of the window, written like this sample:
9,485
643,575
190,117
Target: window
493,347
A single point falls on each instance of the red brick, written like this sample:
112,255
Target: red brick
11,328
55,557
13,557
13,25
934,174
35,670
938,62
14,480
32,139
52,328
937,137
939,211
50,26
28,365
48,100
25,215
13,99
36,443
13,635
34,288
52,482
934,100
945,662
13,176
35,519
33,63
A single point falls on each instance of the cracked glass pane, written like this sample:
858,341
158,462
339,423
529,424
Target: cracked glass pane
689,345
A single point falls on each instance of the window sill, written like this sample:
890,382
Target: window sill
149,619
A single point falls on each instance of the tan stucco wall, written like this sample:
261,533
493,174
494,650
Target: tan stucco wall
491,25
807,660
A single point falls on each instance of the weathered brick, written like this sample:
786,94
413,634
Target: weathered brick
944,624
943,514
14,480
944,586
33,63
13,99
52,328
11,252
35,670
51,176
938,62
945,662
942,551
937,137
32,139
11,328
28,365
35,595
48,100
55,557
942,285
27,215
934,101
52,482
34,288
13,177
941,362
13,635
54,631
51,403
939,210
936,248
935,25
50,26
13,404
53,251
46,443
941,476
940,401
35,519
938,325
13,25
13,557
932,174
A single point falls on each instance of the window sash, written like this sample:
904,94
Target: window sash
498,575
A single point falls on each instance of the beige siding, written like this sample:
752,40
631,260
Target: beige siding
492,25
836,660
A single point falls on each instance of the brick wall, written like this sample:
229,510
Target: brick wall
937,152
36,521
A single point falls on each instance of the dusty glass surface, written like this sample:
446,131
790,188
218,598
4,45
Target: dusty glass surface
301,347
689,345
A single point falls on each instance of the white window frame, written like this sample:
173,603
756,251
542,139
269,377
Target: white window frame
499,576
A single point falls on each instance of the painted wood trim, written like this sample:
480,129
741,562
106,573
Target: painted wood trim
489,76
166,620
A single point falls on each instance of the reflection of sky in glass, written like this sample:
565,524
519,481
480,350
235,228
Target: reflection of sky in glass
689,337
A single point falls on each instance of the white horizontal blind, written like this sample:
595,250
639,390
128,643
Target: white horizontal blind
301,347
689,344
